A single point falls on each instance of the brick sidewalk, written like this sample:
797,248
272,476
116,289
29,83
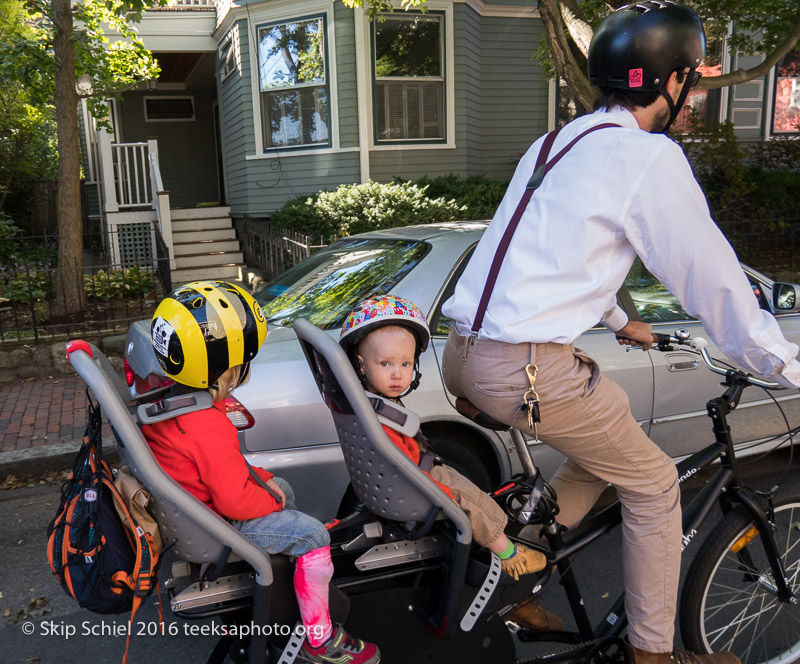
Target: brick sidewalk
41,412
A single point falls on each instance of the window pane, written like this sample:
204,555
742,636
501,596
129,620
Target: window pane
653,301
291,54
409,109
408,46
294,94
787,95
327,286
295,117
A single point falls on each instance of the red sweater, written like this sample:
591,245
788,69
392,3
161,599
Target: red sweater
200,451
410,447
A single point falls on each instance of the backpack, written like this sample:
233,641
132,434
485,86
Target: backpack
96,549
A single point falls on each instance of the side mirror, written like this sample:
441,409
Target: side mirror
785,297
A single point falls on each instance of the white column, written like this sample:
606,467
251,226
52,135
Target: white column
107,171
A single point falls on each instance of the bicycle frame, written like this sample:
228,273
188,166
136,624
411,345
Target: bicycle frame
724,488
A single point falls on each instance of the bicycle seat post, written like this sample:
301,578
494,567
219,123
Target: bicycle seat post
523,452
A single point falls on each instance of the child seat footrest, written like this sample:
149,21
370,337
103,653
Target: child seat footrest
484,594
404,551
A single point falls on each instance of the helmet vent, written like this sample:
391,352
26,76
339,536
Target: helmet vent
223,304
197,302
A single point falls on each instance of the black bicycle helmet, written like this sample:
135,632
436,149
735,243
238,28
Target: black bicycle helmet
638,46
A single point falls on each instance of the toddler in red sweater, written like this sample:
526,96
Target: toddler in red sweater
204,335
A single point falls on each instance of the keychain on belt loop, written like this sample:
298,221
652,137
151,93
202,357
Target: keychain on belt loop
530,401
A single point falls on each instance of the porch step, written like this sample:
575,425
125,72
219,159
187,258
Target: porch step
209,258
189,236
200,224
226,272
222,211
204,246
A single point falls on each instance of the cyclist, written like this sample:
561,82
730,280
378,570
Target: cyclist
204,335
620,191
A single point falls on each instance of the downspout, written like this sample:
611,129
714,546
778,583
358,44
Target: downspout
363,83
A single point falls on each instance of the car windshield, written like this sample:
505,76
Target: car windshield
326,287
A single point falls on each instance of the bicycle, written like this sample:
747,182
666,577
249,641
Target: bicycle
736,595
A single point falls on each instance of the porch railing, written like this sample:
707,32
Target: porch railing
131,183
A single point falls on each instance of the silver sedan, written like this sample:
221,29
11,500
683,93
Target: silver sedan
285,427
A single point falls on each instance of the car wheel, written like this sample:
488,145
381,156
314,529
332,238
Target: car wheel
463,456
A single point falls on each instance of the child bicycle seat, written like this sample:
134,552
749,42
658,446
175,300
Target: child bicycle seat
237,587
395,489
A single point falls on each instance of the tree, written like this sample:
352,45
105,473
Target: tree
771,27
71,43
27,117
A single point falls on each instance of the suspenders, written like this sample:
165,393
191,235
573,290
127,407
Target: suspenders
541,169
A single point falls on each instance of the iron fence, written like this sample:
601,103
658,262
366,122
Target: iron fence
271,249
108,293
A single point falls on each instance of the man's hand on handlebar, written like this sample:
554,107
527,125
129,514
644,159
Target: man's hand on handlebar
636,334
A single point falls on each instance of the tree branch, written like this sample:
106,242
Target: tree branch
577,25
744,75
562,55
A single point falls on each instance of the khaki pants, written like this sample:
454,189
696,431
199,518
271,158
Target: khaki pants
586,417
487,518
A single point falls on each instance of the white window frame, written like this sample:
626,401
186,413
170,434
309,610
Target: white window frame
230,54
146,98
286,11
772,91
366,84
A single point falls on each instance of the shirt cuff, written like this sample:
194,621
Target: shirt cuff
790,376
615,318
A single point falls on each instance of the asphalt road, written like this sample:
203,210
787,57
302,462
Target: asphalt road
66,634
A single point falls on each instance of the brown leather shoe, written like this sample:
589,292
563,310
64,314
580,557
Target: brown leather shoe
524,561
637,656
530,615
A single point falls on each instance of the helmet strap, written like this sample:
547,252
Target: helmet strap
675,107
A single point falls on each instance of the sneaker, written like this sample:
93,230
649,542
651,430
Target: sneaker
679,657
524,561
341,648
531,615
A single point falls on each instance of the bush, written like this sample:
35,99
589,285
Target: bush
480,195
358,208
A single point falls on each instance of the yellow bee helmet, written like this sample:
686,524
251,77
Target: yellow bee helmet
204,328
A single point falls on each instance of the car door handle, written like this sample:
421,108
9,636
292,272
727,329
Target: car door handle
681,363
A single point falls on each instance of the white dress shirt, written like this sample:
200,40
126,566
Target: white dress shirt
617,193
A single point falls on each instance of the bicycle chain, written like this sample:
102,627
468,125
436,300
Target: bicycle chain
583,645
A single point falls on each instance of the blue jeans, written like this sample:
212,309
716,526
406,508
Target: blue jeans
288,531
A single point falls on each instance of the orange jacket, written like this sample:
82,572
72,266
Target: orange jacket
200,451
410,447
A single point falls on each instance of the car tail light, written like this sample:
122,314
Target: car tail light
238,414
129,374
151,382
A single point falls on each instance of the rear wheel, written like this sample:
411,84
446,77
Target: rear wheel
463,456
729,601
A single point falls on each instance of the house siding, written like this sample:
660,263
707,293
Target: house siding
514,93
501,99
186,151
259,185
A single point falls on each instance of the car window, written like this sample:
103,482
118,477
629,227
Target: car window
439,323
653,301
327,286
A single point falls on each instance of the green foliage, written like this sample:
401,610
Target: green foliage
8,231
117,284
478,194
718,160
358,208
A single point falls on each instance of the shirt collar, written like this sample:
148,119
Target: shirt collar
621,116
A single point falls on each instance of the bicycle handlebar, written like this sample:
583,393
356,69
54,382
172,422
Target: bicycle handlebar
663,342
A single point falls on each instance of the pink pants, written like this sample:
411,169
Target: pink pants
586,417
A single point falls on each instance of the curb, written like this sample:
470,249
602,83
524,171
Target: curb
52,457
